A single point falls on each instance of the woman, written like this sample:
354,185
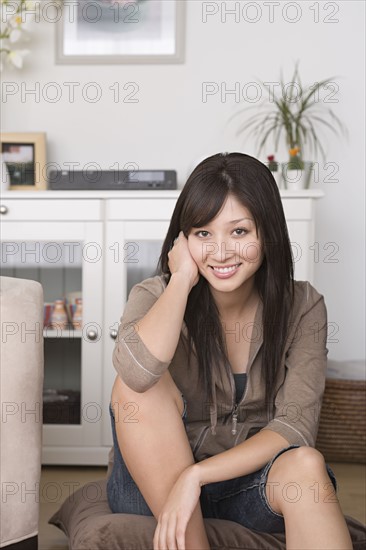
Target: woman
226,340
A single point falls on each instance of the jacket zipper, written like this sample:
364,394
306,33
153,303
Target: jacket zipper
234,419
234,416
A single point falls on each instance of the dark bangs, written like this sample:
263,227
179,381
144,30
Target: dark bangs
206,202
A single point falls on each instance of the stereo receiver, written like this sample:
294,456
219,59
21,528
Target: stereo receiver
112,179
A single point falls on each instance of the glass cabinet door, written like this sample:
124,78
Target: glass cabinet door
66,258
132,249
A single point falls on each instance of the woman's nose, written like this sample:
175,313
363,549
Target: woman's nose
222,250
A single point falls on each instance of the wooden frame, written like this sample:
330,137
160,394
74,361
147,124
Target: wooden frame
72,32
28,174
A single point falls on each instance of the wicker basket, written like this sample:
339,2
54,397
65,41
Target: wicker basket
342,427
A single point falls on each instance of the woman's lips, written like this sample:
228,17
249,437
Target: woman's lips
225,274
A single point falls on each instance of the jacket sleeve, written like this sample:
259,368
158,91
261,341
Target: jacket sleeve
134,363
299,398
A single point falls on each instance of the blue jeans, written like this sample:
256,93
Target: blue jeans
242,499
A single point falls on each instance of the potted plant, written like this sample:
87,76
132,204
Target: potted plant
275,169
295,113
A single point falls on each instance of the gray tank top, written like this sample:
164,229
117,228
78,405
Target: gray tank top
240,383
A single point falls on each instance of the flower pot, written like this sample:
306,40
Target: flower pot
296,179
277,177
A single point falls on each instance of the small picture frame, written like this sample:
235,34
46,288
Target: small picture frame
24,155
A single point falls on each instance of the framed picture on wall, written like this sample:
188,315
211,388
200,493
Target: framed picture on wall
24,156
121,31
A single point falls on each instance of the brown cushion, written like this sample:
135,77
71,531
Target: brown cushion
85,517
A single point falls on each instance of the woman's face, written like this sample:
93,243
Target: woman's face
227,250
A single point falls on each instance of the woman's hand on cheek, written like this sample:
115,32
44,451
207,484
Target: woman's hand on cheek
180,260
177,512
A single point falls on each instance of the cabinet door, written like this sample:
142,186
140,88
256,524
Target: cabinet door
132,251
66,258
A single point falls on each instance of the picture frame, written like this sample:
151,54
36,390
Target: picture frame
121,32
24,155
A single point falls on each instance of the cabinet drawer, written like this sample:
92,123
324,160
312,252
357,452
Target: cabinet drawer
140,209
51,210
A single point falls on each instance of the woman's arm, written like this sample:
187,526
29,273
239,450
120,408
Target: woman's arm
243,459
149,331
184,495
160,328
299,399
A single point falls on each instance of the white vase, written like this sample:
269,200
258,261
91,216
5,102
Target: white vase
296,179
4,175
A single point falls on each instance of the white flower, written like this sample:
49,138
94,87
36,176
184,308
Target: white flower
15,35
16,57
16,27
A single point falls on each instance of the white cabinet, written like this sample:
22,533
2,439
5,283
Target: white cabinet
99,244
65,255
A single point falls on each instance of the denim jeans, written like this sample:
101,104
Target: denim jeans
242,499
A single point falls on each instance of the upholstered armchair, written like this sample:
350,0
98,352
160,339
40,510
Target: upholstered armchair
21,377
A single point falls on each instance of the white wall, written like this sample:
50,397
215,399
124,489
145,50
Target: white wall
171,127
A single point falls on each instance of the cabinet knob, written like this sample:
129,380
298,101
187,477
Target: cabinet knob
4,209
92,334
113,333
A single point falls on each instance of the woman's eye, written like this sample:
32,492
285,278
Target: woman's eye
240,231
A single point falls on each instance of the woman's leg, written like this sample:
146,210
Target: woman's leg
299,488
156,449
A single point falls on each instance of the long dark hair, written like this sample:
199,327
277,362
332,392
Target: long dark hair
202,197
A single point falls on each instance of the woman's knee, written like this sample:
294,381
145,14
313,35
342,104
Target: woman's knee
290,471
164,388
301,462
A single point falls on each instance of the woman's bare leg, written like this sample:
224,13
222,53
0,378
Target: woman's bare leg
299,488
156,448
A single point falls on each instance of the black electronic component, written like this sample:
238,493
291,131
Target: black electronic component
76,180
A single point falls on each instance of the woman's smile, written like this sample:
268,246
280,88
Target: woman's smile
226,271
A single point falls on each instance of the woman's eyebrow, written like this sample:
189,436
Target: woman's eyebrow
239,220
228,223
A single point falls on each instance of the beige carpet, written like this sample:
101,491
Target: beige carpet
57,483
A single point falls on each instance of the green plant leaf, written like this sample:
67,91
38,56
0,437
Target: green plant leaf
310,92
295,118
254,120
264,139
316,142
